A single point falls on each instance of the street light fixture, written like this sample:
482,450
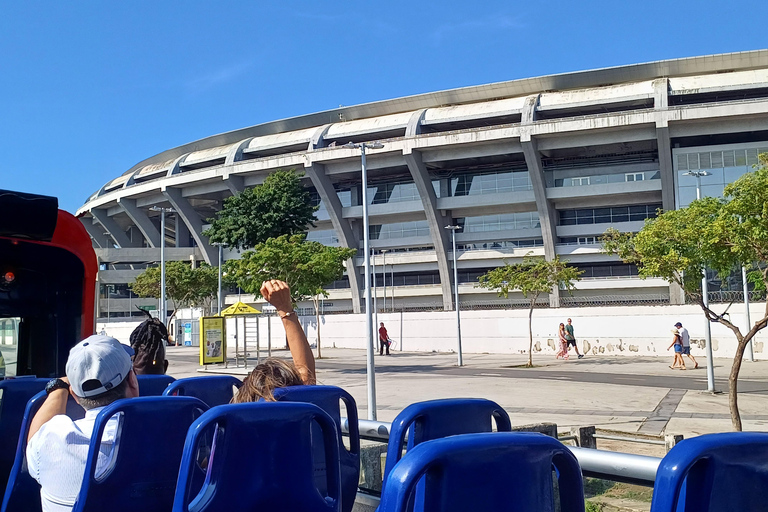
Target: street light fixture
705,294
456,292
163,303
371,377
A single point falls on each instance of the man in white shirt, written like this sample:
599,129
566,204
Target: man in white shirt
99,371
686,340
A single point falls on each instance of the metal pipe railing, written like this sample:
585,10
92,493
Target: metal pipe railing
614,466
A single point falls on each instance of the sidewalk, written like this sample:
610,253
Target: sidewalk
632,395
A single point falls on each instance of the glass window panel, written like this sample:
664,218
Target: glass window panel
731,174
686,196
752,156
712,190
704,160
682,162
601,271
693,161
717,159
620,214
741,157
729,160
585,217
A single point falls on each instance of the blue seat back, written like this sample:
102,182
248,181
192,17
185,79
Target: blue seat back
22,492
329,398
261,459
213,390
433,419
15,395
489,471
153,385
714,472
145,461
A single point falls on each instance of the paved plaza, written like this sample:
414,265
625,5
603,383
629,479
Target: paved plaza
633,395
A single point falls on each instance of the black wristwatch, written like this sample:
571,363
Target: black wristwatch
55,384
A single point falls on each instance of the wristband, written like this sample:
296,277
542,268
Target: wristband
288,315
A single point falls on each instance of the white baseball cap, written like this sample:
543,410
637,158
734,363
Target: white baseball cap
100,362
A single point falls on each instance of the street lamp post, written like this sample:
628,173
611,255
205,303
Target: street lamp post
163,302
218,295
705,296
370,369
456,293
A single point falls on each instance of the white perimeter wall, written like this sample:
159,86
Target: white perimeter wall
615,331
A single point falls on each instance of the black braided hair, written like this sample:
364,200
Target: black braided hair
148,342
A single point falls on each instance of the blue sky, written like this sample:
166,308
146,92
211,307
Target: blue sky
90,88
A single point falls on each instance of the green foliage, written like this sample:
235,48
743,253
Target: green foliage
185,286
532,277
721,234
280,206
677,245
306,266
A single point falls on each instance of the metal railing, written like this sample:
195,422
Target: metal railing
614,466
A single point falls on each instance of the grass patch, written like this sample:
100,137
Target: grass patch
596,487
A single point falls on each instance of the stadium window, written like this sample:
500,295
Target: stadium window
634,176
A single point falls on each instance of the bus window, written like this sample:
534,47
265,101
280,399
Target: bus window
9,342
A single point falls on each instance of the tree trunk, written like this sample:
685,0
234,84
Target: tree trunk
317,319
733,384
530,335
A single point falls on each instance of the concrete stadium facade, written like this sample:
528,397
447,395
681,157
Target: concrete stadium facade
537,166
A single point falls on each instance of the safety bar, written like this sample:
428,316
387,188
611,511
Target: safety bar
614,466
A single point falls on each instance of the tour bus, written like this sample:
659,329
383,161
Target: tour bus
47,285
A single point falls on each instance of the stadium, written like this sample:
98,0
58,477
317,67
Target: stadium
539,166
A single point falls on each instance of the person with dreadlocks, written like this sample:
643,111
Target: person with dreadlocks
276,373
148,342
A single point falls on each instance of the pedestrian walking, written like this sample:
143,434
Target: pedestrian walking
383,339
686,340
571,339
562,343
677,342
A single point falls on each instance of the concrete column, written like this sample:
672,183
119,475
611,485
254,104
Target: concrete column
96,231
182,233
344,231
114,230
141,220
547,214
437,221
666,166
193,221
235,183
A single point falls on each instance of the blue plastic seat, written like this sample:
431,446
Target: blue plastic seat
261,459
714,472
146,457
490,471
328,398
22,492
213,390
15,395
153,385
433,419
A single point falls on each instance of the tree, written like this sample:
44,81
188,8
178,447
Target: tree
532,277
280,206
720,234
186,286
306,266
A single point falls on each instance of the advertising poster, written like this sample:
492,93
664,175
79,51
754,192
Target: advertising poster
213,347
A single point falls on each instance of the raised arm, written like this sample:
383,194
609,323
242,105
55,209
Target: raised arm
55,404
278,294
